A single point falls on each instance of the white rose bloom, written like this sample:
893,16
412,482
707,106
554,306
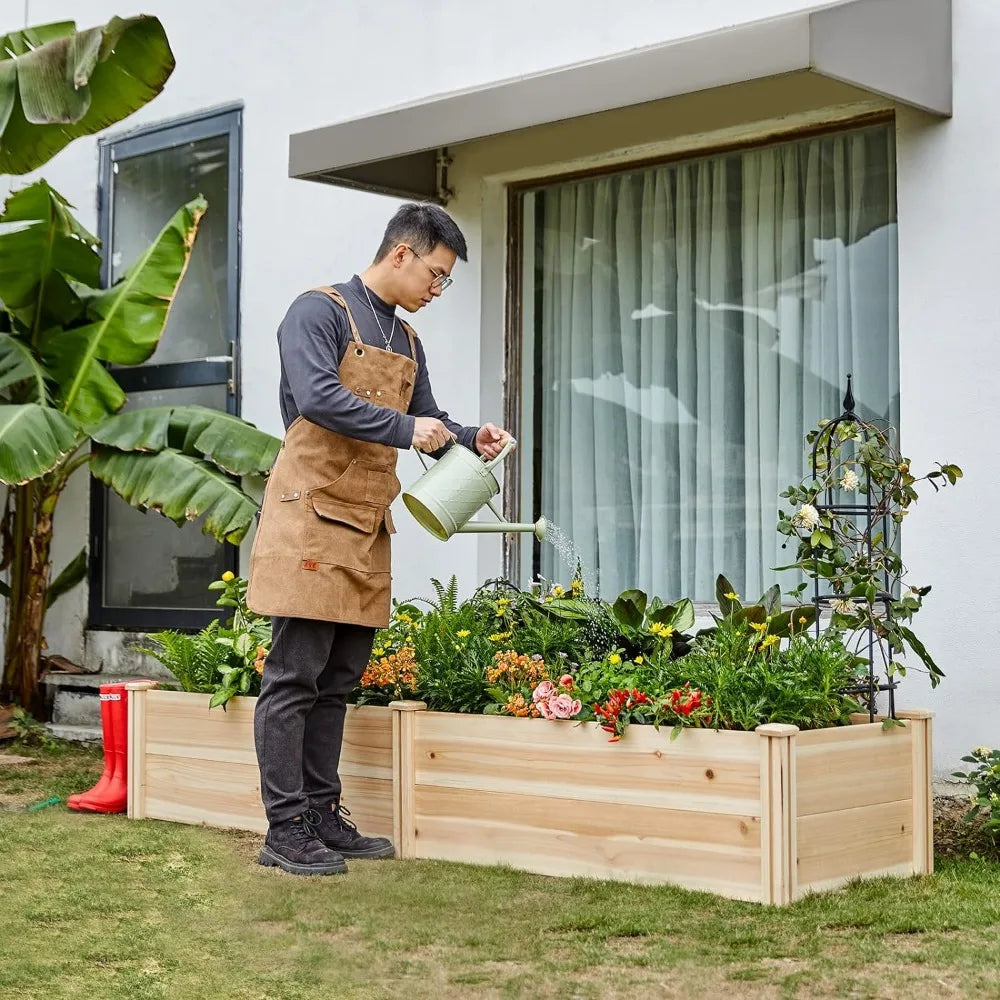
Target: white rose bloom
843,606
849,481
807,517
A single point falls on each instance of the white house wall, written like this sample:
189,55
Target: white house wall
302,64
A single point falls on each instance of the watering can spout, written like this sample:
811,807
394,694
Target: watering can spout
538,528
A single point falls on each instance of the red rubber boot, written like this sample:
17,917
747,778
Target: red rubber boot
110,796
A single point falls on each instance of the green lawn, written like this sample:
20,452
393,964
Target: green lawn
100,907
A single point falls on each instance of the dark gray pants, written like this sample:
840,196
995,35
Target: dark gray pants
299,720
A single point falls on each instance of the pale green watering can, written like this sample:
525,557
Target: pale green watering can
454,488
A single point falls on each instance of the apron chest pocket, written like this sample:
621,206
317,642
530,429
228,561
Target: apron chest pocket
343,534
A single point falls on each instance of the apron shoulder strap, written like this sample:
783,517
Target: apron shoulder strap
342,302
412,334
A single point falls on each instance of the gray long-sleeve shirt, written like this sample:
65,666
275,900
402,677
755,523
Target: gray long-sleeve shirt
313,337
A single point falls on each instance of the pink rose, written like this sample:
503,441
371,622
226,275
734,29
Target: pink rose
577,708
545,709
566,681
561,706
543,692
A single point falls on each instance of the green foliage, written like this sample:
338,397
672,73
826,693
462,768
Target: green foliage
63,335
193,659
984,778
29,732
861,462
752,682
220,660
57,84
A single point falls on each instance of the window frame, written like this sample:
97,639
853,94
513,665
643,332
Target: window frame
226,120
514,192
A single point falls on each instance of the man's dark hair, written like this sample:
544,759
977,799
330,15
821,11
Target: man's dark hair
423,227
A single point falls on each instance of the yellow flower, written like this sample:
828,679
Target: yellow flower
639,659
548,599
557,591
658,628
769,640
759,626
802,620
462,633
577,587
227,576
499,636
378,652
731,596
614,658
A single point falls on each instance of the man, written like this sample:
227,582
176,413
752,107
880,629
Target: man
354,389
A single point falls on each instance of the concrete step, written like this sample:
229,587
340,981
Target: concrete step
75,734
76,697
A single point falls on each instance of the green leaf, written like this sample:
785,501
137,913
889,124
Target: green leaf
45,254
771,600
34,439
130,316
918,647
68,578
722,588
57,85
221,697
630,608
675,732
19,364
180,487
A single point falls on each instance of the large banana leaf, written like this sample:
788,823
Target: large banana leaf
33,440
42,249
57,84
19,364
181,487
234,445
129,318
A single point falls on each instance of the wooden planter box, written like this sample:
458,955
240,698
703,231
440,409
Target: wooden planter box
192,765
766,816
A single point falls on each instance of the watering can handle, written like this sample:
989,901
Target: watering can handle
511,443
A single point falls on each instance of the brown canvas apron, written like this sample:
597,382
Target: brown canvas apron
322,545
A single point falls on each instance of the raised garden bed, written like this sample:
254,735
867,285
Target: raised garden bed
190,764
766,816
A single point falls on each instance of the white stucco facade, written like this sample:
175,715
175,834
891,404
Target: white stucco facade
308,63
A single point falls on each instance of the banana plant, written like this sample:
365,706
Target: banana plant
61,333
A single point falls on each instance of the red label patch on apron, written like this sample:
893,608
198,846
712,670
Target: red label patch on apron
310,564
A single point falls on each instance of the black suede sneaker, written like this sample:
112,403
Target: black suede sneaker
294,846
339,834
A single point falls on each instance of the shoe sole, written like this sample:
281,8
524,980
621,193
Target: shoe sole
372,854
271,859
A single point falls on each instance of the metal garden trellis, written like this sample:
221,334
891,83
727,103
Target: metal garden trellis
872,515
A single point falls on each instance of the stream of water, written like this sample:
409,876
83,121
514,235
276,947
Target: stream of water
570,555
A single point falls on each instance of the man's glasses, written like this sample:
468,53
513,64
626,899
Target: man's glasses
441,281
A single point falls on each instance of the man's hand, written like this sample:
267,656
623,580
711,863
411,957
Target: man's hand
429,434
490,440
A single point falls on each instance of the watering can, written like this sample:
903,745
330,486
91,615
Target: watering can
454,488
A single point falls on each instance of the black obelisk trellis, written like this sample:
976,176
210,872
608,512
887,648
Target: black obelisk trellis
873,511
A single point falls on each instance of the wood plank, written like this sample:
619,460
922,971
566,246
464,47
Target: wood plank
733,872
854,842
226,794
711,831
566,762
838,882
836,774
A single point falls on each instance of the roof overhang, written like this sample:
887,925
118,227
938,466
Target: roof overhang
899,49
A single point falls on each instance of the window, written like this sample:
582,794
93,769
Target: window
682,326
145,572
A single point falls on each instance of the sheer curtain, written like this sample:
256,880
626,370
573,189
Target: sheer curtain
694,320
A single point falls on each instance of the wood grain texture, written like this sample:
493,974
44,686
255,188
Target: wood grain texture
559,799
200,766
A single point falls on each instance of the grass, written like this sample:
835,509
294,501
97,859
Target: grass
97,906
